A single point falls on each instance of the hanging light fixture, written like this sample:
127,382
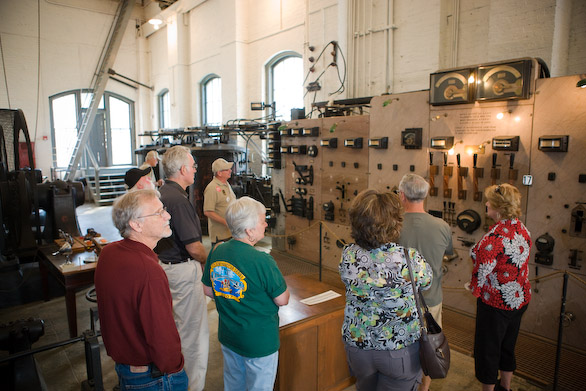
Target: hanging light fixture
156,23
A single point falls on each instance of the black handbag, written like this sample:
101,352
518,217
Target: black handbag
434,351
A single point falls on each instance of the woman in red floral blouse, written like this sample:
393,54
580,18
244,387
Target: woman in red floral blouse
500,281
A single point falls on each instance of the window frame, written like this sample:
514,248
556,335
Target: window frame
161,103
269,68
204,82
105,109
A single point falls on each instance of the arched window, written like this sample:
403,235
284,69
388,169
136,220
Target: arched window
164,109
285,83
112,136
211,98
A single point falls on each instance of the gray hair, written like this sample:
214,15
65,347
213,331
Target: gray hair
174,159
129,207
242,214
414,187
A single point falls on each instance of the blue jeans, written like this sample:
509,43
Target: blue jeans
249,373
143,381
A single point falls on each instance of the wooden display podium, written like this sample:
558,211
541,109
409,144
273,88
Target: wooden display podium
75,277
312,355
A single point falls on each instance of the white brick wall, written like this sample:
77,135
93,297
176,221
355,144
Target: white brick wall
236,38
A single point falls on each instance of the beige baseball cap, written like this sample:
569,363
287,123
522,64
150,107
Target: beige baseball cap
221,164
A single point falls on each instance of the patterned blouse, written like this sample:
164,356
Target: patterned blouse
500,277
380,311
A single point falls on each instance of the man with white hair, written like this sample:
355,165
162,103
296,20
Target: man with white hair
151,160
217,196
139,179
431,236
182,257
134,301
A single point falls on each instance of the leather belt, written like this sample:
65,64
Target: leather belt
175,262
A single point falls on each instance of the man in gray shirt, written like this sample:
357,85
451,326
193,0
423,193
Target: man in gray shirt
431,236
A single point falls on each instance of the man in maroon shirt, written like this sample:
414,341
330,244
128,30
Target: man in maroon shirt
134,301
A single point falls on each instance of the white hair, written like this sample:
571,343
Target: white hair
243,214
414,187
174,159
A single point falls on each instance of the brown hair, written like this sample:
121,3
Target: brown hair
376,218
506,199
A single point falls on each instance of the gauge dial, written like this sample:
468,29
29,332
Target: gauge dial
451,87
504,81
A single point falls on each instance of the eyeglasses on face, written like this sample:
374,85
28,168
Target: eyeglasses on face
159,213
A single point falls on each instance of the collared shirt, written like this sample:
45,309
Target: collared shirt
500,277
216,198
136,311
185,225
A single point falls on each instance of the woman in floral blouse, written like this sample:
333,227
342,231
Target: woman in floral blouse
500,281
381,325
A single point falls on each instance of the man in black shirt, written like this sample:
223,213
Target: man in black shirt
182,258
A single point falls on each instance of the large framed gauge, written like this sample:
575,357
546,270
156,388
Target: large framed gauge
451,87
504,81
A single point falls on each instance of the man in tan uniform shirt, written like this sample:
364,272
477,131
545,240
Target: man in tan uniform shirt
216,197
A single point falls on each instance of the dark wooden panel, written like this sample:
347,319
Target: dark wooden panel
298,361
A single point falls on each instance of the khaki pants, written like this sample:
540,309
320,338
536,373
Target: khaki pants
190,311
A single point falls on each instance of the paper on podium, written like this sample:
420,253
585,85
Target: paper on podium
329,295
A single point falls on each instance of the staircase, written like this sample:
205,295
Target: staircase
99,81
108,186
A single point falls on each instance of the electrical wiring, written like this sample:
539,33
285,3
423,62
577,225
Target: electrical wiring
319,77
317,59
342,80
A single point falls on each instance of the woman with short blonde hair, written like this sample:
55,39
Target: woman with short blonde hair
500,281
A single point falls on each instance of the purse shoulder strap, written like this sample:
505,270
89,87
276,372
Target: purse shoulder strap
415,291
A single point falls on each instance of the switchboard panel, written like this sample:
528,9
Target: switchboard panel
535,140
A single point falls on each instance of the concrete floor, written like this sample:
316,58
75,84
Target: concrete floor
64,368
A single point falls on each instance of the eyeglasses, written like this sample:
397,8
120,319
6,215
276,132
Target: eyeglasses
194,166
159,213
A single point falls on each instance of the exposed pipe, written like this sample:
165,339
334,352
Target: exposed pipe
455,32
561,37
370,30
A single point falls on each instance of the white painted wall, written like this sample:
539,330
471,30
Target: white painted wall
72,34
389,45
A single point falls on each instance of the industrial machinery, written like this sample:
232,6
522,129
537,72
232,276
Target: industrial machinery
31,211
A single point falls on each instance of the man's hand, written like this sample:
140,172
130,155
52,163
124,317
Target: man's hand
216,217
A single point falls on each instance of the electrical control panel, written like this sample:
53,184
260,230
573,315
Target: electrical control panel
535,142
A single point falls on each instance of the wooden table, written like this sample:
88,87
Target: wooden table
312,355
75,277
